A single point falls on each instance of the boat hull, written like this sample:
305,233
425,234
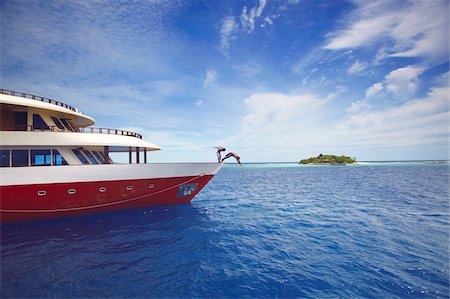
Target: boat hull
22,202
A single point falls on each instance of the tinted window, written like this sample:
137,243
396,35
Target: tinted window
57,123
80,156
19,158
39,123
74,127
58,159
99,157
66,123
4,155
89,155
40,157
20,120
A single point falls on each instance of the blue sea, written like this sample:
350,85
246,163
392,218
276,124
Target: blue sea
376,230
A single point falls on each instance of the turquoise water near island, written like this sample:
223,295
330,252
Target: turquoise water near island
261,230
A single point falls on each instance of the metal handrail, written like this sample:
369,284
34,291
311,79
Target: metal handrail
80,130
110,131
37,98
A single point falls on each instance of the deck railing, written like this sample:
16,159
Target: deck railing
110,131
37,98
80,130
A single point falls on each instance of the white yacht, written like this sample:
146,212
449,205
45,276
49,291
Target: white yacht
54,164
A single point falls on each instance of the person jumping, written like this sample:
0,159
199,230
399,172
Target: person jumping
231,154
219,151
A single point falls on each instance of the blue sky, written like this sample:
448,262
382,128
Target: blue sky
270,80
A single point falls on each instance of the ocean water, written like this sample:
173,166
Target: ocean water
261,230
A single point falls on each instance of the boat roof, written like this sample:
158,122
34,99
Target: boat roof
8,97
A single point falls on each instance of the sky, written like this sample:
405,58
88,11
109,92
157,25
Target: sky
273,81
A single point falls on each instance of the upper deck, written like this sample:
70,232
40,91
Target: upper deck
19,101
29,120
37,98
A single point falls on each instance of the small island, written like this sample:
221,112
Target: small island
328,160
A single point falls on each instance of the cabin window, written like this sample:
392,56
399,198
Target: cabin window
99,157
19,158
58,159
5,156
90,157
66,123
74,127
40,158
80,156
39,123
20,120
57,123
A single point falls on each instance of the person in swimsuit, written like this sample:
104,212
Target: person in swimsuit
231,154
219,151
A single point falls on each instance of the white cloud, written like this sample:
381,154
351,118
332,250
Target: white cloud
404,81
81,39
267,21
199,103
373,90
417,28
361,32
286,121
274,109
358,106
211,76
228,32
248,18
357,66
420,121
401,83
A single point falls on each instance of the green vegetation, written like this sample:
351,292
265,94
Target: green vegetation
328,160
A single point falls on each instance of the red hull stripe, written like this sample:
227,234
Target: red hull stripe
40,201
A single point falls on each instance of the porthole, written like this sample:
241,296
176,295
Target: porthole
41,193
129,188
102,189
151,186
71,191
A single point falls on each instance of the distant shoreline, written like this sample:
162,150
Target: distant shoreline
384,161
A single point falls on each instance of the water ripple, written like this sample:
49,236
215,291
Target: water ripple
252,232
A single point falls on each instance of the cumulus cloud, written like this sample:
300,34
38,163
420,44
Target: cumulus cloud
301,121
420,121
374,90
364,105
403,81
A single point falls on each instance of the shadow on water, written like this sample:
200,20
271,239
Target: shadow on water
98,225
104,254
